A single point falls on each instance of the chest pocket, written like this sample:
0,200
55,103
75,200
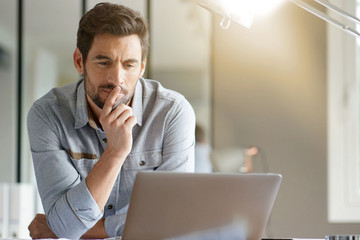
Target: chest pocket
83,162
143,161
137,162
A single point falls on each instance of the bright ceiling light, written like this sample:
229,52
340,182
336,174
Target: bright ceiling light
244,11
239,11
267,6
254,6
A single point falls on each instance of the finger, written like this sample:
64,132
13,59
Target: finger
118,102
110,100
116,118
123,115
131,121
118,113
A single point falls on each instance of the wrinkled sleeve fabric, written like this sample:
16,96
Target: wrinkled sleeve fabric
179,138
70,209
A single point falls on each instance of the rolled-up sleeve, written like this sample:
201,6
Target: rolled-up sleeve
74,213
70,209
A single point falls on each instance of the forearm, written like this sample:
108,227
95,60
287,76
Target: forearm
39,229
117,125
102,177
96,232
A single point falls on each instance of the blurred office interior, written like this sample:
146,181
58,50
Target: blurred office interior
265,87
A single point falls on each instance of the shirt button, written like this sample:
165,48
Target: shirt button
110,206
142,163
105,140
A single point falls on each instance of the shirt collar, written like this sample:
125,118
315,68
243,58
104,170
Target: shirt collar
82,113
137,104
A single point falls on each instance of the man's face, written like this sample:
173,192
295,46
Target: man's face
112,61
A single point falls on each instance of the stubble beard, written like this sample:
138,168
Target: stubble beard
93,93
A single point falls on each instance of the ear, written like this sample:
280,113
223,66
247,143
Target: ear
143,66
78,61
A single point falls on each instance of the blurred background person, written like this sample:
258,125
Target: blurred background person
202,152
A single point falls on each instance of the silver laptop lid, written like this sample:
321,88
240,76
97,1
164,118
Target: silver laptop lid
167,204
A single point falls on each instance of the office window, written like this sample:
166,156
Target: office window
343,121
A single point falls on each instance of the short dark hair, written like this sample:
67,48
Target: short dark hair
111,18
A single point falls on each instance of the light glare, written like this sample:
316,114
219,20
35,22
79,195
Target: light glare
253,6
239,11
267,6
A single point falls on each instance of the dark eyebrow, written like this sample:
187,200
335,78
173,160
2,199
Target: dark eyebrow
102,57
131,60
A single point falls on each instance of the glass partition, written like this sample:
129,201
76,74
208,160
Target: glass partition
8,90
180,53
49,42
180,58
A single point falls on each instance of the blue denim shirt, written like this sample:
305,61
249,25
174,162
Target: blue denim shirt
65,146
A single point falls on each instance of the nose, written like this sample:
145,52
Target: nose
118,75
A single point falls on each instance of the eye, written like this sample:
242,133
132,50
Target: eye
130,65
104,63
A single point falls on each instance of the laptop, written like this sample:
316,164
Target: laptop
168,205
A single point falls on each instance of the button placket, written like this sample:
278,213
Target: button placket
102,138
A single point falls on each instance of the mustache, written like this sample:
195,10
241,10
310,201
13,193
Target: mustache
111,86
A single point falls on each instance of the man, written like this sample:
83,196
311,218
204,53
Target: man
86,153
